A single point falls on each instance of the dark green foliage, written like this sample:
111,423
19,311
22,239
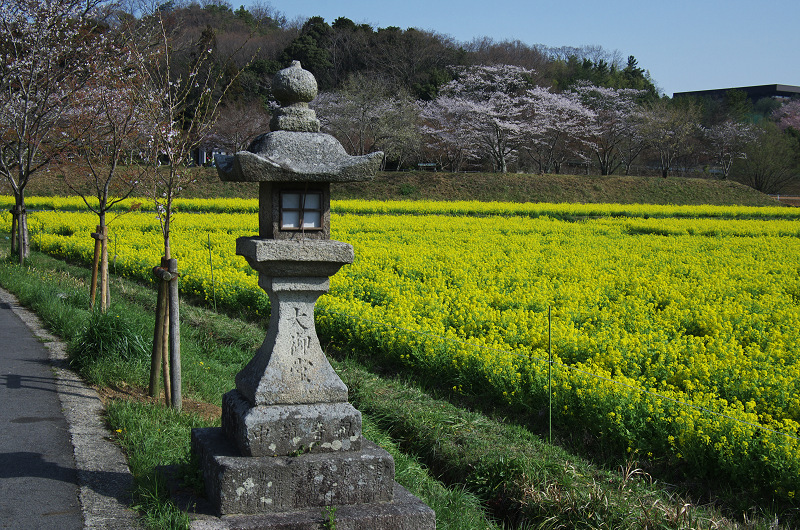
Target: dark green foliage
311,48
314,57
735,105
414,59
772,162
417,60
567,72
107,344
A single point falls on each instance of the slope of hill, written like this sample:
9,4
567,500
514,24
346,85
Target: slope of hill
552,189
416,185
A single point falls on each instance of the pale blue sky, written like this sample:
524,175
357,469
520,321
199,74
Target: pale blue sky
685,44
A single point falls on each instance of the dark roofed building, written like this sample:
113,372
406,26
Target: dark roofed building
753,92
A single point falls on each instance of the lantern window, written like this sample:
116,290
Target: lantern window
301,210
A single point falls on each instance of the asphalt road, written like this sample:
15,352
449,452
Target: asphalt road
38,477
58,467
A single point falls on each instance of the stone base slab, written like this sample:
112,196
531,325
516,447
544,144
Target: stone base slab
404,512
266,484
273,430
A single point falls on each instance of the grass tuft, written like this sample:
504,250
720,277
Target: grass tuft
107,347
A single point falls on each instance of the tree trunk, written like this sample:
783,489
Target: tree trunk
20,213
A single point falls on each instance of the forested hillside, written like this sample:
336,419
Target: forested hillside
416,60
422,97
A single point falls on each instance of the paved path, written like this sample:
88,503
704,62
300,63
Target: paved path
58,470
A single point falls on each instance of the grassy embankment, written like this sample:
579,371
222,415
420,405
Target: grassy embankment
417,185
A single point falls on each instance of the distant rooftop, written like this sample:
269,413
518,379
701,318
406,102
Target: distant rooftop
753,92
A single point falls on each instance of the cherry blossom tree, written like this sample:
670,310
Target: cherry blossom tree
45,49
558,127
180,103
788,115
727,142
105,124
494,98
615,125
448,128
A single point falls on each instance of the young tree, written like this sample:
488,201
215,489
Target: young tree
44,52
668,127
181,105
614,123
105,124
727,142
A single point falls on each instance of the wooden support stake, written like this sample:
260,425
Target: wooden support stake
174,335
105,292
165,340
13,230
97,236
155,358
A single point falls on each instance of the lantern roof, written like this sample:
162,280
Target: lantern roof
295,150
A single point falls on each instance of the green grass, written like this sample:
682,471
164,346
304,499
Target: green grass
473,468
153,436
511,187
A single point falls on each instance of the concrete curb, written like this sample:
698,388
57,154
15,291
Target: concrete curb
104,479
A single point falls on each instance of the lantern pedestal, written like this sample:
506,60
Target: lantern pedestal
290,446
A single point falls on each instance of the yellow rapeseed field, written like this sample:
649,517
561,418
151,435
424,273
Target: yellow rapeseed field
675,330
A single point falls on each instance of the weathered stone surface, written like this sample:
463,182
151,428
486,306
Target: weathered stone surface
286,258
294,85
290,367
289,156
250,485
295,150
404,512
297,119
290,429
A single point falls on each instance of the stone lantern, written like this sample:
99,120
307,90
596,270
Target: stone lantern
290,446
